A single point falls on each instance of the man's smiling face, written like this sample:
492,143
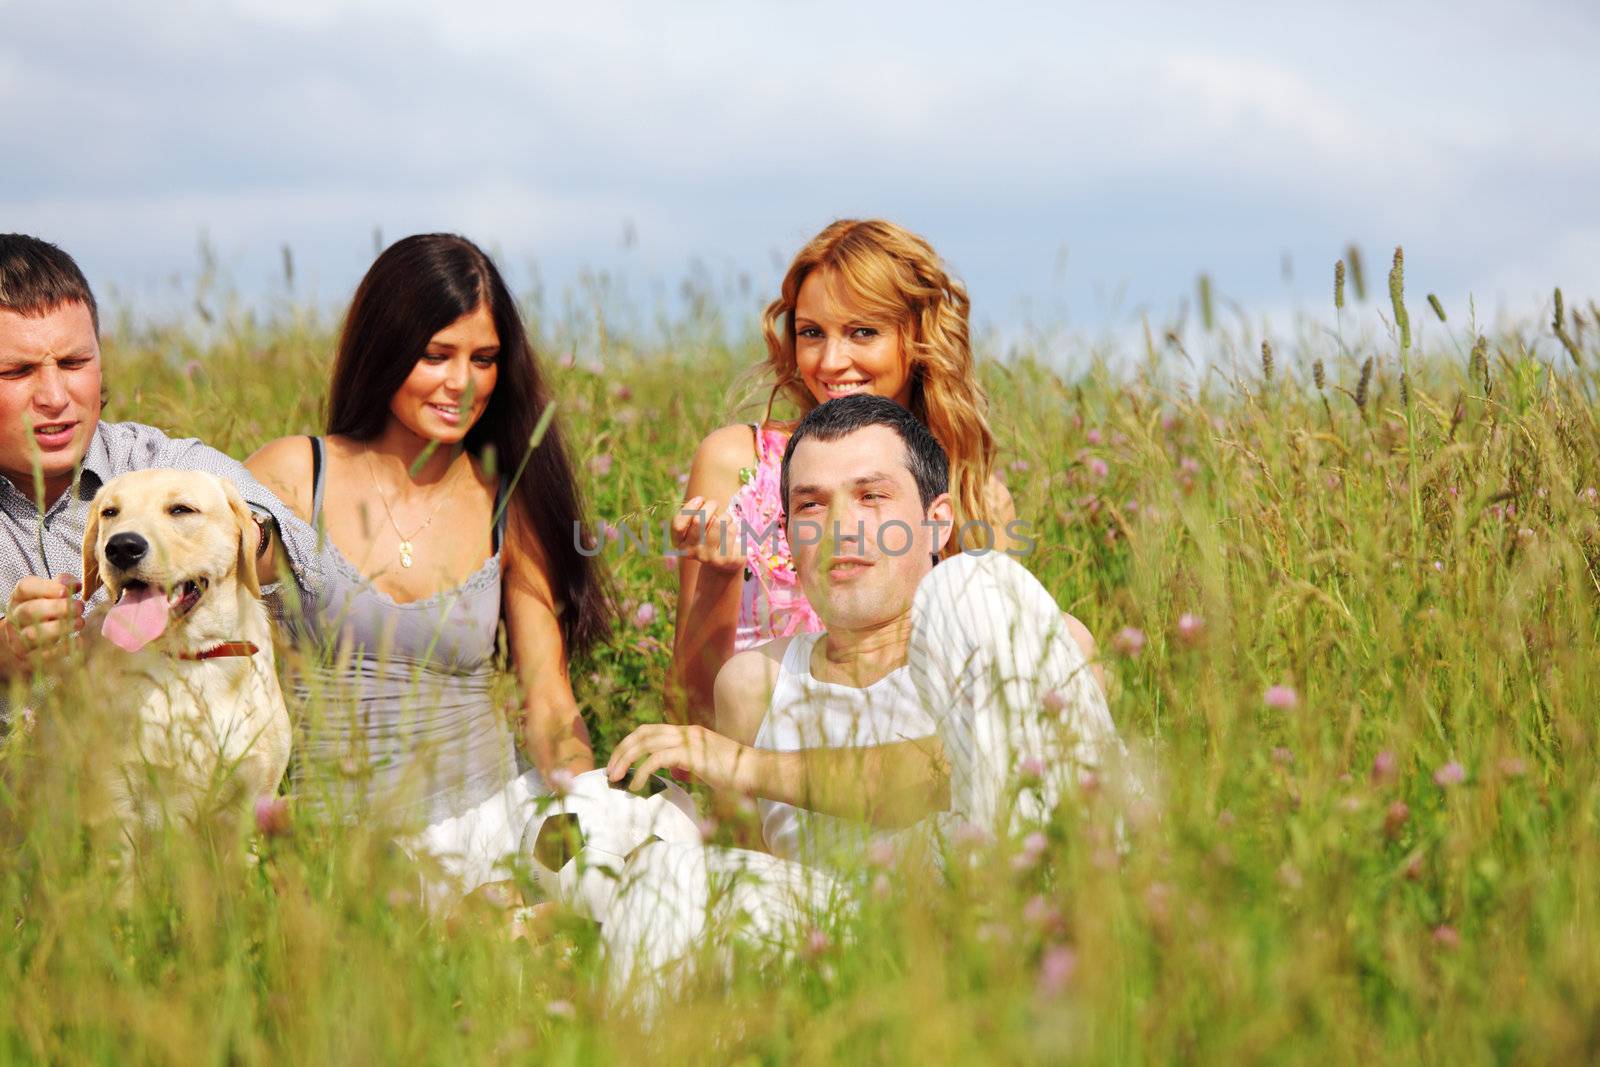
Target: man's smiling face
49,394
860,537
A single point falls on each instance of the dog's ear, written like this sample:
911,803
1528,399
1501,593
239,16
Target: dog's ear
247,537
91,558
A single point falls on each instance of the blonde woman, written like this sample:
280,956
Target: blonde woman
866,307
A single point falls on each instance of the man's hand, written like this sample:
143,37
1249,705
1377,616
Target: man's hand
718,761
709,535
39,616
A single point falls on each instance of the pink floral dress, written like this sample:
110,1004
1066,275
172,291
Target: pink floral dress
771,604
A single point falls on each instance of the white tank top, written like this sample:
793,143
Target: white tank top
808,713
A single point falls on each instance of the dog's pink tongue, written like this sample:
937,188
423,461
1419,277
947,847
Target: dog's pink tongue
139,617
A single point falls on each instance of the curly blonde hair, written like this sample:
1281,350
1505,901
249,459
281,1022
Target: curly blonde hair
892,274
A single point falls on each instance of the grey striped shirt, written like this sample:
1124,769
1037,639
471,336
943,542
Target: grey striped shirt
115,448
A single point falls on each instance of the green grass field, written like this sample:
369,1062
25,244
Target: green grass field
1392,857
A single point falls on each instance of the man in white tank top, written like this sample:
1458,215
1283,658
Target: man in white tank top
934,688
931,689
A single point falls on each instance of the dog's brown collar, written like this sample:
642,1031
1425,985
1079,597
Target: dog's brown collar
227,648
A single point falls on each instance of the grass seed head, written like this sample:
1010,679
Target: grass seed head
1438,308
1266,360
1478,362
1318,375
1338,285
1397,297
1358,276
1363,382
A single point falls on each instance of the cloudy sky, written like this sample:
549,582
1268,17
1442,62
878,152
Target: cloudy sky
1075,163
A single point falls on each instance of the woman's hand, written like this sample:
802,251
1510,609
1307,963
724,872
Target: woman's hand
719,762
707,535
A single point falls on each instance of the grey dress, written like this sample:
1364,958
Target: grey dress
395,704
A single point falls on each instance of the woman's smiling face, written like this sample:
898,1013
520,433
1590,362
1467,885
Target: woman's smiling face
451,383
840,349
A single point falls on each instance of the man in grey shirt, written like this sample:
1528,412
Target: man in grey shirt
55,453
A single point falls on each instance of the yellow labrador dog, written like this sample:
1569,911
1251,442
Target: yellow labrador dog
183,652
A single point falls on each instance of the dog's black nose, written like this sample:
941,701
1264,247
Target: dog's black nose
126,549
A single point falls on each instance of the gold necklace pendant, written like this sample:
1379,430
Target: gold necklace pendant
405,554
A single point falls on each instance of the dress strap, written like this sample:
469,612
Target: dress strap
318,469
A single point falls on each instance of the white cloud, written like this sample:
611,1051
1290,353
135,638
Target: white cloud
1152,146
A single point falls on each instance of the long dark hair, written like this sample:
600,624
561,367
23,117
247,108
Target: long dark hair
417,287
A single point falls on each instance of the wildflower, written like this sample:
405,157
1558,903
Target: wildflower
970,835
645,615
707,827
560,781
621,392
272,815
1040,912
1282,757
560,1009
1289,876
1513,767
1385,768
1031,768
817,942
1438,565
1191,628
1129,641
1446,937
881,887
1413,866
1033,847
1056,968
1281,698
1093,436
1590,494
601,464
992,933
1088,781
1395,818
880,851
1189,465
1169,421
1525,535
1054,702
1158,902
1019,465
568,361
1450,774
1098,468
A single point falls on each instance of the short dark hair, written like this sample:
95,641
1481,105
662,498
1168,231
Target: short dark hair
925,457
36,277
